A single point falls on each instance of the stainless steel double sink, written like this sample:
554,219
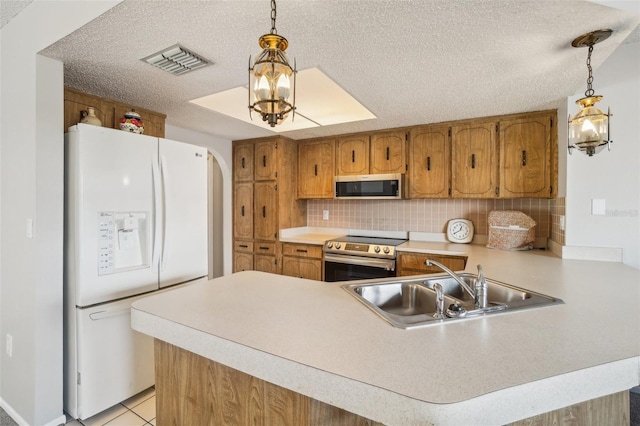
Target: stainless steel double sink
410,303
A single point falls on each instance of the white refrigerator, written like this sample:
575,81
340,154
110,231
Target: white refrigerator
135,223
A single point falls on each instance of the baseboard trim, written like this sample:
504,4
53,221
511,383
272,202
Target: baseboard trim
22,422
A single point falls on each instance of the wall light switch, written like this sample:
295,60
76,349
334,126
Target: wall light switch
9,345
598,206
325,214
29,228
562,222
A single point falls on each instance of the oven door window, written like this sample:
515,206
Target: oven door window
336,271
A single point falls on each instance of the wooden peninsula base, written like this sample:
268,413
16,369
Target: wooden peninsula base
194,390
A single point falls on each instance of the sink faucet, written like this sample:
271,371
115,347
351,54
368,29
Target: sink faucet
478,293
455,276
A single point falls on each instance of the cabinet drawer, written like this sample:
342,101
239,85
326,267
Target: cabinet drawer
264,248
243,246
302,250
416,261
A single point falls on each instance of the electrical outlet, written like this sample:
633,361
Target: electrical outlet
9,345
325,214
562,222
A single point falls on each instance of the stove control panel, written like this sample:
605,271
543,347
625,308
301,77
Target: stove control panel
360,249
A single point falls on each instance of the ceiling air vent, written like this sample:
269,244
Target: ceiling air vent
176,60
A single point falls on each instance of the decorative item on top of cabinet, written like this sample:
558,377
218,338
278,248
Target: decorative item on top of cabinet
132,122
429,162
108,111
89,117
316,165
526,156
410,263
389,152
352,155
302,260
474,160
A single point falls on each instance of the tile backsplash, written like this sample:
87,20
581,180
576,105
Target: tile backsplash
425,215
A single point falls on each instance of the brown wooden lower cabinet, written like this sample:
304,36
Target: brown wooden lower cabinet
193,390
410,263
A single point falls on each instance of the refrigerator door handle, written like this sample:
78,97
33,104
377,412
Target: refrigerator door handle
158,217
163,174
109,313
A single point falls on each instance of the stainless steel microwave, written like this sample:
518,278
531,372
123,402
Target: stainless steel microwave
370,187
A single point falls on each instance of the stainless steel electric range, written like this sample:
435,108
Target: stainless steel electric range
358,258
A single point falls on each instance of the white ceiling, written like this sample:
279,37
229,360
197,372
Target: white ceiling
408,62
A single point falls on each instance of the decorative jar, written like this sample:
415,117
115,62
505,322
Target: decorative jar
131,122
89,117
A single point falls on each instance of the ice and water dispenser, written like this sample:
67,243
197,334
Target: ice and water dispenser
123,241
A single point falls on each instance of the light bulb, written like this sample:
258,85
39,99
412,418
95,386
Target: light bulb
284,87
588,132
262,89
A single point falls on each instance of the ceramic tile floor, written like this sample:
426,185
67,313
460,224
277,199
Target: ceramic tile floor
139,410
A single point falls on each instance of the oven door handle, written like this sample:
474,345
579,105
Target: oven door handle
389,265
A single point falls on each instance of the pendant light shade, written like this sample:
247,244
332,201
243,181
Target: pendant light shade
271,78
589,129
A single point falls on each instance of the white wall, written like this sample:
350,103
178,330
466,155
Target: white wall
222,151
31,179
613,176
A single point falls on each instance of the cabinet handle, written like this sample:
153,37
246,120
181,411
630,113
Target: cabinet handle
301,250
524,158
243,163
387,153
242,211
263,248
353,156
244,246
315,170
264,211
429,163
473,161
264,161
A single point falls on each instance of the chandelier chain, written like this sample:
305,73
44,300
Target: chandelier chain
589,91
273,17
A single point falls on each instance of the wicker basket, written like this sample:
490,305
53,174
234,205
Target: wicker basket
511,230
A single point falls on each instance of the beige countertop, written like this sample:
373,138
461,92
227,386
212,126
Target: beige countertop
316,339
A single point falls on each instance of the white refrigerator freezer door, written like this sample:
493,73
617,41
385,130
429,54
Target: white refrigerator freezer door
114,362
110,214
183,255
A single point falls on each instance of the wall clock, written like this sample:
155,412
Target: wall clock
460,231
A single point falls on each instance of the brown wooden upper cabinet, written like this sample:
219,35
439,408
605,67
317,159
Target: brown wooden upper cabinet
243,210
474,160
316,166
265,160
352,155
243,161
388,152
429,162
526,156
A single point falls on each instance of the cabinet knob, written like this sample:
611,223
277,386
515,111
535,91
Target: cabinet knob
353,156
429,163
473,161
388,153
524,158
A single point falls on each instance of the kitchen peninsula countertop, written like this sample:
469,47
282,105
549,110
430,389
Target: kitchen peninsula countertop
316,339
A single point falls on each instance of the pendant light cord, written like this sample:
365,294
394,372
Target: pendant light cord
273,17
589,92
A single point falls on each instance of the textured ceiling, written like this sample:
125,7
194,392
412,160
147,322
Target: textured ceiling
408,62
9,9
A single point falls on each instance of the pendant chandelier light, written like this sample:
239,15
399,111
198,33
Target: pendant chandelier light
589,128
270,78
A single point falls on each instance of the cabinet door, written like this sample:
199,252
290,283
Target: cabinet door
266,264
242,161
415,263
265,218
242,262
316,169
302,268
525,157
429,162
265,160
243,210
352,156
389,152
474,168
